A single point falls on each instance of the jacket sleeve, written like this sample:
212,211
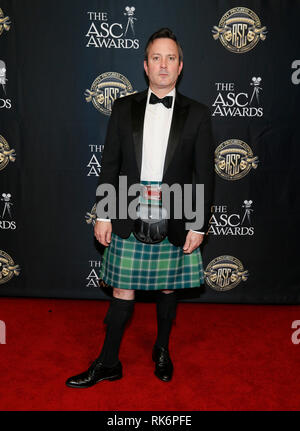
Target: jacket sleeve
204,166
111,156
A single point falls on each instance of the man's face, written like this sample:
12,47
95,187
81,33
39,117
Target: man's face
163,66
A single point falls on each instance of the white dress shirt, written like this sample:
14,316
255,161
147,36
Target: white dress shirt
157,124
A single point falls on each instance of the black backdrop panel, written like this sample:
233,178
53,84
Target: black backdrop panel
66,61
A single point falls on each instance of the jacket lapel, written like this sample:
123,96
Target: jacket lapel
138,114
179,116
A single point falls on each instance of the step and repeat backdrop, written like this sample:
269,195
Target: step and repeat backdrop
62,65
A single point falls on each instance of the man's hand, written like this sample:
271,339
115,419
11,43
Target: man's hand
102,232
193,240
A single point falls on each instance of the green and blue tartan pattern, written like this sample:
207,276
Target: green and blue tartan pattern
131,264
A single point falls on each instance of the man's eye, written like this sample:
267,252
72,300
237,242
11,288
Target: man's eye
172,58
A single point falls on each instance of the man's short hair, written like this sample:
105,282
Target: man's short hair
163,33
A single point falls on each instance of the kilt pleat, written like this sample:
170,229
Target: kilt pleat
131,264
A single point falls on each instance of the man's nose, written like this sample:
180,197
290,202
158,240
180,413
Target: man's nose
163,63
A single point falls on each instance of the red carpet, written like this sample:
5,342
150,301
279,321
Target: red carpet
226,357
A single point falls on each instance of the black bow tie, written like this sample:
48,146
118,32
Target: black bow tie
166,101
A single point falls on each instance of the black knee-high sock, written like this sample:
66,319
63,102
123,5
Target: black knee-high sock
166,312
118,314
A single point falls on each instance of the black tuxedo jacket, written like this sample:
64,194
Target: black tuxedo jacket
189,156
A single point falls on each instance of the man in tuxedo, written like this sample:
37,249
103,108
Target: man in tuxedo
154,137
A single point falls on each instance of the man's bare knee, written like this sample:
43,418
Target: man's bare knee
123,293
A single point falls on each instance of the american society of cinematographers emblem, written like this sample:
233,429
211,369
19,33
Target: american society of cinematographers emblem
106,88
91,216
239,30
224,273
234,159
7,267
6,154
4,22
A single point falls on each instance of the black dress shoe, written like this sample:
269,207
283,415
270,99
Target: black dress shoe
95,373
163,363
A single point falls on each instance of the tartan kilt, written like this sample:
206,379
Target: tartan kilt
131,264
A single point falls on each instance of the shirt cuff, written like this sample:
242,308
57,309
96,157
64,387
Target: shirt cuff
198,232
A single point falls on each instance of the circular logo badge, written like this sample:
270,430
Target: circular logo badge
4,22
224,273
91,216
239,30
234,159
106,88
6,154
7,267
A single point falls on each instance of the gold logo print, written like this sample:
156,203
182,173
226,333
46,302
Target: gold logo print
7,267
4,22
106,89
234,159
224,273
239,30
6,154
91,217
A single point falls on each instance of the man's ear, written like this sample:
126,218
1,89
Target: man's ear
146,67
180,67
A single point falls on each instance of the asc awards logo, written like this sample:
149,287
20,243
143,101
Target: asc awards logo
94,164
239,30
234,159
93,277
6,218
106,88
232,103
4,22
225,222
4,102
6,154
106,34
224,273
7,267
